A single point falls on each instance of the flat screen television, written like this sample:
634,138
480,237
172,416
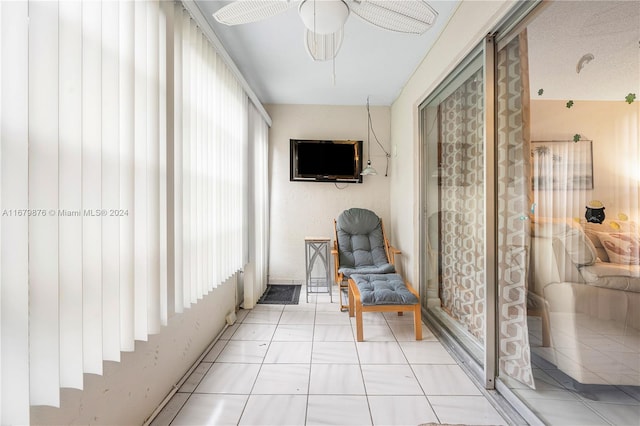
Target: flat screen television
325,160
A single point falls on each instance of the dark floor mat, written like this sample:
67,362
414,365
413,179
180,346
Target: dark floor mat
280,294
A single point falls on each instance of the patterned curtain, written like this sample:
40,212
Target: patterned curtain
514,199
461,220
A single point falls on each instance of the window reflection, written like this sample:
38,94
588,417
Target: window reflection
583,299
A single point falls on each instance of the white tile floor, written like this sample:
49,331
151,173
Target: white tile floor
561,401
300,365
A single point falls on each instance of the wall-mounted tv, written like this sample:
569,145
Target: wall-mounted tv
325,160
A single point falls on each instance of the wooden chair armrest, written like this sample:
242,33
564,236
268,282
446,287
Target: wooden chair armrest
411,289
336,265
392,254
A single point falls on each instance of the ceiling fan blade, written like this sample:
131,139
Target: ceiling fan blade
246,11
323,47
406,16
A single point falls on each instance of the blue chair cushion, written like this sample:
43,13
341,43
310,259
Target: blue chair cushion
387,289
384,268
361,243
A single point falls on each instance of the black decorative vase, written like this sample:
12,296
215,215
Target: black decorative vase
595,212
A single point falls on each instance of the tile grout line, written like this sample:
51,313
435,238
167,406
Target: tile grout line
424,393
315,310
261,364
364,384
185,378
313,333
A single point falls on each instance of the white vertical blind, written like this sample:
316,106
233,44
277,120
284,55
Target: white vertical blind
123,157
1,382
110,168
185,105
126,29
209,163
153,176
91,183
178,209
193,80
165,53
70,192
14,192
140,237
1,399
43,194
209,174
258,209
196,165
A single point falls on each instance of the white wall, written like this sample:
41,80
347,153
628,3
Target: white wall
129,391
467,27
307,209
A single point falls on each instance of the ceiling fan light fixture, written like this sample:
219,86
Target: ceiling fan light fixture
323,47
323,16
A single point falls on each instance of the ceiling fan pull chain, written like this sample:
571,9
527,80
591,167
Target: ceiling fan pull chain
315,34
333,76
333,60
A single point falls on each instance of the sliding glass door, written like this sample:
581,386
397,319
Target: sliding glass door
454,194
530,194
568,127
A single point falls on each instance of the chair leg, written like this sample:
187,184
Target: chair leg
355,304
351,299
417,321
359,333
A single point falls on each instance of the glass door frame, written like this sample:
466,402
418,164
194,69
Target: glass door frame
488,373
474,60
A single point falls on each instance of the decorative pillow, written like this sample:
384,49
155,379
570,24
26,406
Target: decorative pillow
621,247
608,226
569,233
578,247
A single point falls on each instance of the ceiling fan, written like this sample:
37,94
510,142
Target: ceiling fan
324,19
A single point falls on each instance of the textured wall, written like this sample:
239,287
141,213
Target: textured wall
467,27
307,209
130,390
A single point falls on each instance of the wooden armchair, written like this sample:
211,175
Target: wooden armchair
360,246
365,271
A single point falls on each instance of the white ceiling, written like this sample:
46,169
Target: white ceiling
372,62
377,63
567,30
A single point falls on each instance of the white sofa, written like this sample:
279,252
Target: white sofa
589,305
